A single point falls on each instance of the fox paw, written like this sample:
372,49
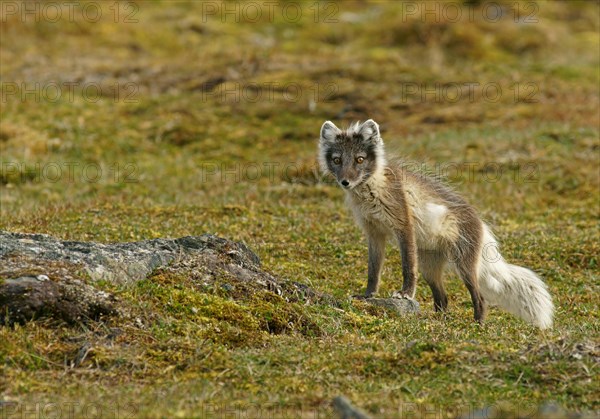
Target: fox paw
402,295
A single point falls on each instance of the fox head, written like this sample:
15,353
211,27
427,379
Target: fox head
352,155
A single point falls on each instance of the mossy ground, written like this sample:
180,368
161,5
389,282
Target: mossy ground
160,154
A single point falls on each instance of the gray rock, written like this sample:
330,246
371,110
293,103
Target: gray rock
401,306
43,277
121,263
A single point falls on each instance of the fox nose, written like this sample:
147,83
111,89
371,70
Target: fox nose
345,183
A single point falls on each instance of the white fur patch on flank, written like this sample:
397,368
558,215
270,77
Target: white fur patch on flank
434,217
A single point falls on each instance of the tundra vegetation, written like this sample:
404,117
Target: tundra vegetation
168,119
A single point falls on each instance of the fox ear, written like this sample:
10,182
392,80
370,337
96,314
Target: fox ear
369,130
329,132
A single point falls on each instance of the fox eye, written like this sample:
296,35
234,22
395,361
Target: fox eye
359,160
337,160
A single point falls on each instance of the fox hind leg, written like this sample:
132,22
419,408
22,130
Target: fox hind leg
466,266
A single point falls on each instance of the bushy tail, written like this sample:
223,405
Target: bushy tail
517,290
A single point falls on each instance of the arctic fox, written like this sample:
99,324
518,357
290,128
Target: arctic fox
432,224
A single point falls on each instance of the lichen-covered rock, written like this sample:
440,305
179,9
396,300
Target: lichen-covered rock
43,277
121,263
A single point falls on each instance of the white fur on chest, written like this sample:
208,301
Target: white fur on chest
369,204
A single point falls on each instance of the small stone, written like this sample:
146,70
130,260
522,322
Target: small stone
401,306
346,410
42,278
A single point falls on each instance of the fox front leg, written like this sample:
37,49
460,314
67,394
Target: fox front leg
376,258
408,252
